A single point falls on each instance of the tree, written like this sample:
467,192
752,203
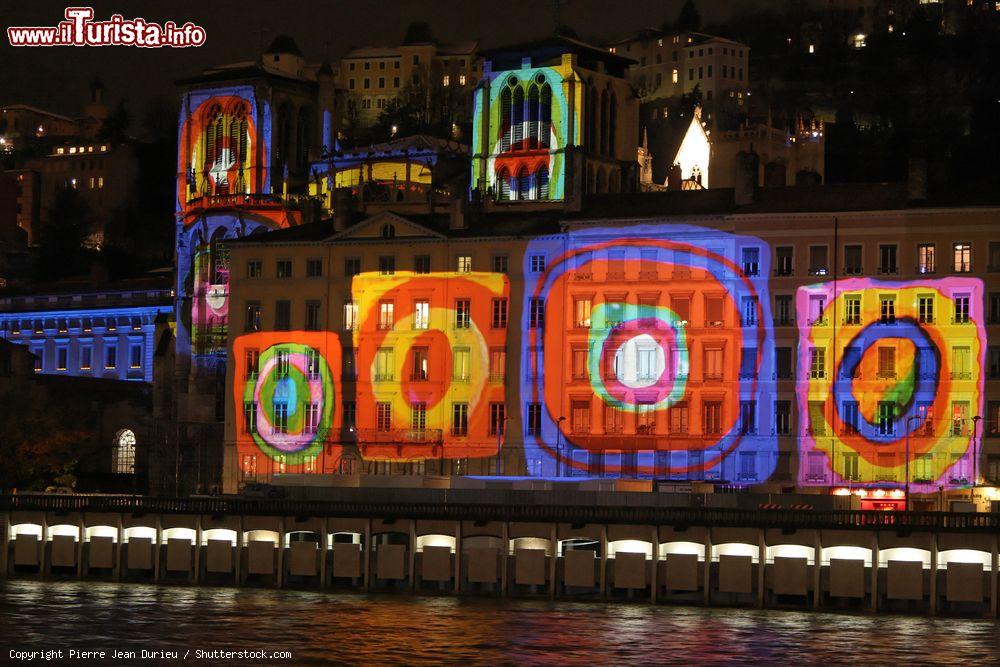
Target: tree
689,19
39,445
68,223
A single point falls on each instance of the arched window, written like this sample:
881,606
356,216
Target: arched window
238,145
388,230
505,128
542,182
212,140
533,116
517,119
523,184
123,462
503,185
545,116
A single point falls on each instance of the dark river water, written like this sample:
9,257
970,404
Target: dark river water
386,629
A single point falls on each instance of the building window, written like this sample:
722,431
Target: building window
853,265
284,268
421,314
961,309
249,417
384,367
465,264
852,310
422,264
498,416
282,315
536,313
312,316
387,265
783,310
111,357
252,360
926,262
751,261
350,316
925,308
281,364
386,316
887,309
124,458
461,363
314,268
135,356
86,354
818,260
253,317
887,259
500,263
460,419
418,418
62,358
712,418
463,313
962,254
419,369
817,363
783,417
498,364
255,268
499,319
352,266
582,308
536,263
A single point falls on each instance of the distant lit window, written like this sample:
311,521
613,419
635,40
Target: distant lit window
124,456
447,80
464,264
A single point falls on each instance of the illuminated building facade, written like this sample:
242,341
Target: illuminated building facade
428,74
553,120
735,344
110,333
246,135
668,65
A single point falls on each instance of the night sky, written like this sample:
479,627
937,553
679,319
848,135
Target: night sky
56,79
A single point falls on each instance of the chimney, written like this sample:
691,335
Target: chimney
747,166
456,214
341,208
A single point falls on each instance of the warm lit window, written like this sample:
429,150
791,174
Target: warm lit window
463,313
385,315
421,314
583,308
961,309
925,258
446,81
419,368
124,460
464,264
962,257
350,316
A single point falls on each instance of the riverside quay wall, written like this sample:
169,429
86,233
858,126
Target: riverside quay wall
572,545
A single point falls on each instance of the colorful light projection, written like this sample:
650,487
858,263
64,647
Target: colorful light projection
647,352
529,118
899,374
210,305
223,148
286,390
430,352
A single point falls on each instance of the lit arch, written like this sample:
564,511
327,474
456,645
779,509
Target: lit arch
123,459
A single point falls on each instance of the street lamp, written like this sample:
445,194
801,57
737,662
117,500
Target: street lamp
909,420
559,446
975,453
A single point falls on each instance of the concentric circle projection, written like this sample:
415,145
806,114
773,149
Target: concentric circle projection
660,340
291,394
903,379
660,319
423,349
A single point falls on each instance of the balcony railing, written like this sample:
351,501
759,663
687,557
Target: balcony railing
240,200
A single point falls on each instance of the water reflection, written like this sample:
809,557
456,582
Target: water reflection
401,629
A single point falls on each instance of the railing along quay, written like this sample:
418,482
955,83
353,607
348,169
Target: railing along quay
515,506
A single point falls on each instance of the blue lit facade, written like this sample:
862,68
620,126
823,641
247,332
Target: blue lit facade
115,341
